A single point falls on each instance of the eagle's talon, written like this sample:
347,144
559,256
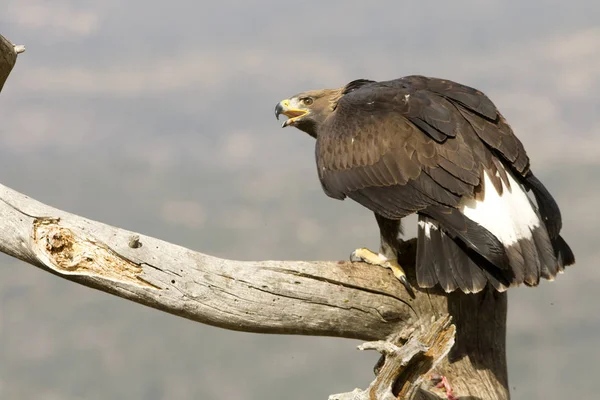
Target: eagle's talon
354,257
365,255
400,275
407,286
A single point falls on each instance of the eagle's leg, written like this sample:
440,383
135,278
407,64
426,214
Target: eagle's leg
388,253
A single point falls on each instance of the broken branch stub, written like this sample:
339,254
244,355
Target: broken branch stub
408,364
8,58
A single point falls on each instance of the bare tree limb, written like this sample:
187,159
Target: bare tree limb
8,58
461,337
308,298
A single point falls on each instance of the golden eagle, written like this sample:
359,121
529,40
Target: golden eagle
441,150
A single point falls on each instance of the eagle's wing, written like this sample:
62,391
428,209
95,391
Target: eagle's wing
409,145
483,117
401,138
491,127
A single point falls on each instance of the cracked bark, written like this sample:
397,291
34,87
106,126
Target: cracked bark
459,336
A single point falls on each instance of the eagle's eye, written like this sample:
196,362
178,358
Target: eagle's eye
306,101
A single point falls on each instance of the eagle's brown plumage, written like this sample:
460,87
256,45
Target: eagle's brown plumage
424,145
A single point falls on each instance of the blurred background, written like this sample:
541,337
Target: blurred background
158,117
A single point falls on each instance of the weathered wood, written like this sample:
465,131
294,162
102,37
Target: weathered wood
407,367
475,365
339,299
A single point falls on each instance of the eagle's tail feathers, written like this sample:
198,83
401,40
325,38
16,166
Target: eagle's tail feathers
426,257
443,267
549,264
549,210
449,262
473,235
563,253
531,261
498,237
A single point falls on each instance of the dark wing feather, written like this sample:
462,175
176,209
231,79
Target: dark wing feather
448,181
466,96
433,115
484,118
356,84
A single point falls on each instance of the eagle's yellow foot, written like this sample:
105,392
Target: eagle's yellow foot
365,255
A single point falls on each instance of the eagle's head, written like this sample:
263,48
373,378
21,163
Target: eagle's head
306,111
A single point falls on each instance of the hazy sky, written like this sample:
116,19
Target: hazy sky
158,117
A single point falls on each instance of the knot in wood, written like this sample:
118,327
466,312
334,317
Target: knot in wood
58,240
76,252
134,242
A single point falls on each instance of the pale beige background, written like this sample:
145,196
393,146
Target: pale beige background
158,117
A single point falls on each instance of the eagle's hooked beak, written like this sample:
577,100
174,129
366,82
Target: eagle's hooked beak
293,113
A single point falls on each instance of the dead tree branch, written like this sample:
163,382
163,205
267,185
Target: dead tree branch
458,336
406,368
